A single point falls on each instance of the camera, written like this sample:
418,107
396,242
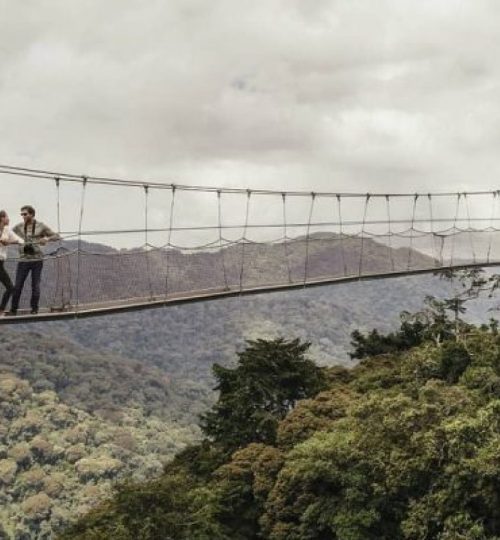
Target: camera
29,249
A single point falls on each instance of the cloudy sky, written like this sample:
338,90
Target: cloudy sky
349,95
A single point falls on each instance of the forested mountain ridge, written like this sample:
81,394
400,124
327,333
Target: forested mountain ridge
72,422
98,382
184,341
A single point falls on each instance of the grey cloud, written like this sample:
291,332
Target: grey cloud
367,96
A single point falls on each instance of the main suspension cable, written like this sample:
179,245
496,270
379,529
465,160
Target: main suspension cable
70,177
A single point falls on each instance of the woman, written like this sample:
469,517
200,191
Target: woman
7,237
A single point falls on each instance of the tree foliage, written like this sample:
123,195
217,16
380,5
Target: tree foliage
440,320
270,377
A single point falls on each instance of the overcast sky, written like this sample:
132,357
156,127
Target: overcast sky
286,94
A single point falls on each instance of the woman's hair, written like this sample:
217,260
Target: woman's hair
3,214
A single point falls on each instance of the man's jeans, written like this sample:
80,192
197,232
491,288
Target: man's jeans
22,271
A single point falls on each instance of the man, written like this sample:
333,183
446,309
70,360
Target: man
35,234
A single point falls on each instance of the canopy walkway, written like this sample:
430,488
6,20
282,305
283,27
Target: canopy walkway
129,244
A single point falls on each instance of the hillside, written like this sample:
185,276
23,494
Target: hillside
74,421
185,341
98,382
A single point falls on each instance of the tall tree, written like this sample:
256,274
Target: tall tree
271,376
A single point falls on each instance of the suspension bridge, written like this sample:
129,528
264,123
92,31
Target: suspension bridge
130,244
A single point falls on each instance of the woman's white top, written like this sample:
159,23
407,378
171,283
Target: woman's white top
8,236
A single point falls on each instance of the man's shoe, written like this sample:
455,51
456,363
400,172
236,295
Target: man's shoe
34,311
12,313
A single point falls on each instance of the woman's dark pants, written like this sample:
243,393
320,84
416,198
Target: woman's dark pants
7,283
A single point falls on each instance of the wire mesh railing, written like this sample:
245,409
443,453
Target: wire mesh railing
153,243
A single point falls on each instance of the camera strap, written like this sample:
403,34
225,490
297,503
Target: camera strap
33,227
